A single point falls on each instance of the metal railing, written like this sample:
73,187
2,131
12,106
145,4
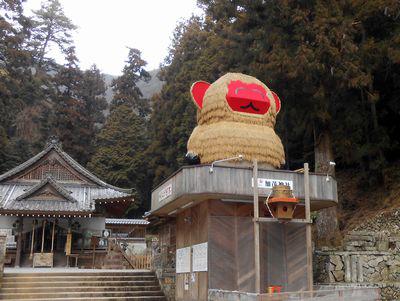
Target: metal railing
342,294
338,294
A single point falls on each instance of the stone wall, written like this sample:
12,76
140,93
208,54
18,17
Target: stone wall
367,257
163,248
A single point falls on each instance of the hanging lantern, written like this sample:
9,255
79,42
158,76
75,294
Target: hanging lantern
282,203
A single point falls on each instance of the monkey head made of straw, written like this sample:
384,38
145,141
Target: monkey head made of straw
236,116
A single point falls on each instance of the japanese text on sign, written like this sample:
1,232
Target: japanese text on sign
164,193
183,260
200,257
269,183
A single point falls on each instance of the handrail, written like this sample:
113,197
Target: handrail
114,241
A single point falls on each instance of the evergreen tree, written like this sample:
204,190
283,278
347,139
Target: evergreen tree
119,153
78,111
119,157
3,150
125,88
92,90
51,26
333,63
194,55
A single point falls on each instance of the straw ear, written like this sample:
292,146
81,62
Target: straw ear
197,91
277,102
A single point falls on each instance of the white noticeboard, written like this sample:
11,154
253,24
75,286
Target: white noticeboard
183,260
200,257
165,193
269,183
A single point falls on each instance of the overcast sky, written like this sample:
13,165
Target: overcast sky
106,27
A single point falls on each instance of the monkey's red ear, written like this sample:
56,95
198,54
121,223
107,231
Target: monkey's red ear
198,90
277,102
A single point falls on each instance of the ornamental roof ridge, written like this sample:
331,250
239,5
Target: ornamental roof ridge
54,144
49,180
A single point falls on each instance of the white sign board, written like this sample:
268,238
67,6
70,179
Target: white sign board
269,183
200,257
165,193
183,260
10,239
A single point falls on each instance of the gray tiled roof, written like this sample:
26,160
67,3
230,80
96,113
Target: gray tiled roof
84,196
126,221
74,197
61,190
67,158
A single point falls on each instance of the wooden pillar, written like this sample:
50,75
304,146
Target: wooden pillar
308,226
52,236
43,233
33,239
256,229
19,243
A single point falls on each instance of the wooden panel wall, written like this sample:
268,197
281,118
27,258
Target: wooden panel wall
296,257
245,254
283,256
191,229
231,241
273,259
222,271
228,228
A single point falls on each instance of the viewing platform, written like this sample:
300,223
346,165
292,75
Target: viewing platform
192,184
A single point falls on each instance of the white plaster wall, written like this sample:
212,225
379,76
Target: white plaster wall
6,222
94,224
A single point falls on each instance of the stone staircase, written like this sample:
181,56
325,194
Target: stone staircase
68,286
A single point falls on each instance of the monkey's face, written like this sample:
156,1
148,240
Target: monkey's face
236,97
247,98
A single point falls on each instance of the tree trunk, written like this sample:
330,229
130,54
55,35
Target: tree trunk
326,222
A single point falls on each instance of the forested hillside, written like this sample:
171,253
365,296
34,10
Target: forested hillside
335,65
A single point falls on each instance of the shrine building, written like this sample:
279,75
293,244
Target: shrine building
54,210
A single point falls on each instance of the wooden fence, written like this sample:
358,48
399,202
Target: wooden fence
136,261
142,262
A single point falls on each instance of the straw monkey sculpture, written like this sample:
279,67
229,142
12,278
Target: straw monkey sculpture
236,116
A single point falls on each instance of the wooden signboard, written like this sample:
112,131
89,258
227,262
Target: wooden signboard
42,260
68,244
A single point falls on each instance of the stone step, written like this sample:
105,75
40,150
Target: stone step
61,283
135,298
88,294
99,273
75,278
81,285
100,288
